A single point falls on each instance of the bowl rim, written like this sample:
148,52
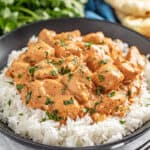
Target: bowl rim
29,142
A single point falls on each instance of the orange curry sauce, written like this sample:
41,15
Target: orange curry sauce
71,75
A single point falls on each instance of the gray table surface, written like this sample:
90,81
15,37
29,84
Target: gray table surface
8,144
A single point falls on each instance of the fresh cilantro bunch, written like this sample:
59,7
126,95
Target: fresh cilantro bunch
15,13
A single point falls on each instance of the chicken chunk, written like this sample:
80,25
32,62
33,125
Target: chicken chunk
47,36
108,76
79,84
129,71
18,71
39,51
97,57
49,72
96,38
68,35
115,51
34,95
65,103
71,63
135,58
114,103
67,48
134,87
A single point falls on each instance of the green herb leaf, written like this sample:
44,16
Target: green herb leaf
9,102
32,70
99,89
64,70
101,77
88,44
53,73
111,94
122,121
28,97
97,103
15,13
20,75
49,101
101,62
54,115
88,78
68,102
129,93
62,42
70,75
46,55
43,119
60,62
91,110
20,114
19,87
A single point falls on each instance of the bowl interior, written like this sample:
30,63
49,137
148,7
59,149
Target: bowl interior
18,39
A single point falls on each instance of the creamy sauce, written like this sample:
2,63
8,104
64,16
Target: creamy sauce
70,75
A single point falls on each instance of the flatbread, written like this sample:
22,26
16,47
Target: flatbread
131,7
138,24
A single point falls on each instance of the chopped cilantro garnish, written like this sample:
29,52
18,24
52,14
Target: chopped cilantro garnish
122,121
9,102
64,70
39,47
68,102
43,119
46,54
28,97
91,110
60,62
10,82
111,94
88,44
101,77
32,70
70,75
97,103
62,42
20,114
99,89
88,78
19,87
102,62
129,93
101,48
2,111
20,75
53,73
48,101
54,115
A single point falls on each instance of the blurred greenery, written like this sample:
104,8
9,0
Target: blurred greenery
15,13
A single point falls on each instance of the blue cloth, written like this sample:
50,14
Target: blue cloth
98,9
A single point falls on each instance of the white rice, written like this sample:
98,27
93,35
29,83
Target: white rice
27,122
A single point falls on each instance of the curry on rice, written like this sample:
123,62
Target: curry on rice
69,75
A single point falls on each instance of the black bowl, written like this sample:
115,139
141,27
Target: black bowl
18,39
